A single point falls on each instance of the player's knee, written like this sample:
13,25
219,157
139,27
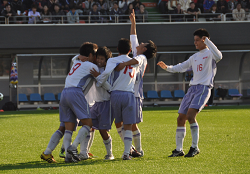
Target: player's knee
181,118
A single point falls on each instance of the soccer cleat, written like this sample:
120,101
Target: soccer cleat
49,158
176,153
73,152
134,153
61,154
83,156
142,153
70,160
90,155
109,157
192,152
126,157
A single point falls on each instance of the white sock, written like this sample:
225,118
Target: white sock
180,135
84,145
67,141
137,140
92,135
54,140
195,134
127,141
83,132
108,145
120,131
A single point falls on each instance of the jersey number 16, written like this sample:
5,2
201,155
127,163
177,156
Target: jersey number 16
199,67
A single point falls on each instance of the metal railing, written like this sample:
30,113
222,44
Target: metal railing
62,19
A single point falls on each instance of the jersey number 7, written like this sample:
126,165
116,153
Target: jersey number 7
130,74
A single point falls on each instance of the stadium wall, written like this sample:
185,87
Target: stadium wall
167,36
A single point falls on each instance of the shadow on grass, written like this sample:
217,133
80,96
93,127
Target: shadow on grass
44,164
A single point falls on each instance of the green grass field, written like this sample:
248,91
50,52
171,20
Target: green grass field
224,144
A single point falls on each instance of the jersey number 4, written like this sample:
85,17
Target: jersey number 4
76,66
130,74
199,67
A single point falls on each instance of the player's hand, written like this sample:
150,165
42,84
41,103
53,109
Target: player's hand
132,16
83,58
94,73
120,66
162,65
203,38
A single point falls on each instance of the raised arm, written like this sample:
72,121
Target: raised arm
216,53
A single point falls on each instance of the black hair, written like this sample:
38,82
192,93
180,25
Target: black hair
143,5
191,3
7,5
94,5
87,48
104,51
57,5
116,3
151,49
72,7
34,6
201,32
124,46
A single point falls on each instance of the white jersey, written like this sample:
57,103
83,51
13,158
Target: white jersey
141,69
100,93
123,80
202,63
79,75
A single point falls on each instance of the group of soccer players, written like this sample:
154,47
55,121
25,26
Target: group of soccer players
100,89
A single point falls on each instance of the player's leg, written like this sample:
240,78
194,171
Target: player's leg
107,140
82,134
137,150
127,140
181,124
136,131
69,128
202,94
120,130
86,144
54,140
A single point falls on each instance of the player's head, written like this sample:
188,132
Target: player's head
124,46
102,56
88,49
149,49
198,41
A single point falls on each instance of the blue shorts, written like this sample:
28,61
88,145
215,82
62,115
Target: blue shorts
101,115
73,105
139,104
196,98
123,107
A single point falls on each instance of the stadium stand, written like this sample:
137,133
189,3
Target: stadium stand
152,95
165,94
35,97
49,97
179,94
234,93
59,96
22,98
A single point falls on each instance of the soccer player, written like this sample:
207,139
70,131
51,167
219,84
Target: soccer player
73,104
101,110
204,69
56,137
122,94
141,53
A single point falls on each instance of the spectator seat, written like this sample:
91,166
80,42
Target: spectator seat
165,94
22,98
35,97
152,95
234,93
49,97
179,94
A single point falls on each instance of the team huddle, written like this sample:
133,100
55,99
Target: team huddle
101,89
